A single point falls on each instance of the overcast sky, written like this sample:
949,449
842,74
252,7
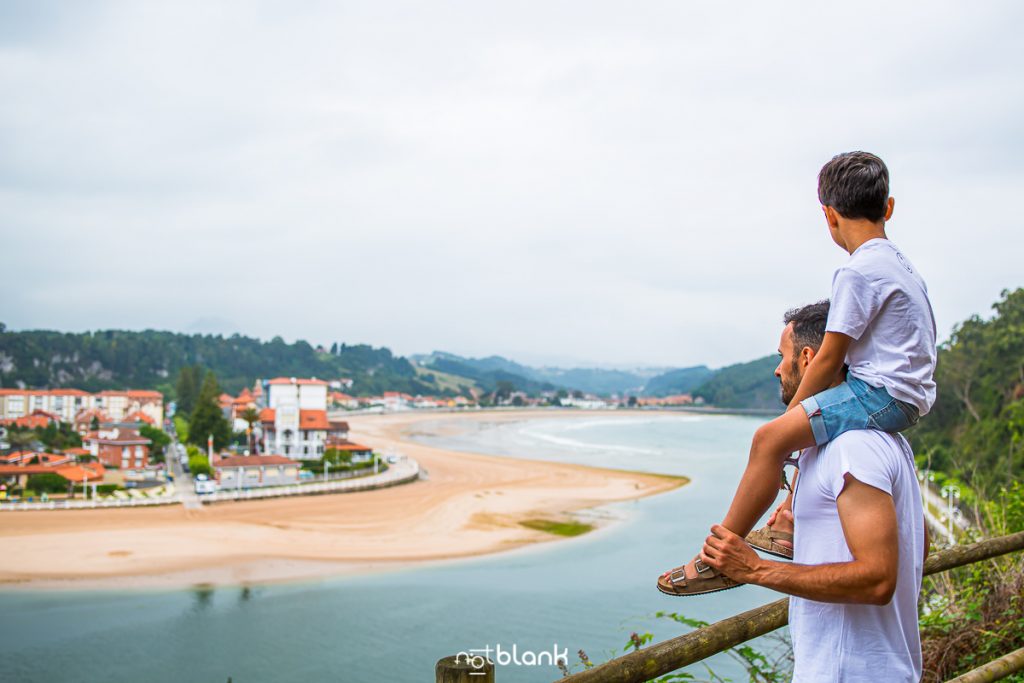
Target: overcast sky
571,182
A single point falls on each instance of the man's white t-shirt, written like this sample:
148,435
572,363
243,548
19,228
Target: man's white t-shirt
857,643
880,300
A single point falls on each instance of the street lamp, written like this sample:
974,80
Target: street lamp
949,492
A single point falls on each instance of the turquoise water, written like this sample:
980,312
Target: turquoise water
586,593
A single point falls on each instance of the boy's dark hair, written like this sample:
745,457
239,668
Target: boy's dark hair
808,324
856,184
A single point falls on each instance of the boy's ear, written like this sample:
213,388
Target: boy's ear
831,217
889,204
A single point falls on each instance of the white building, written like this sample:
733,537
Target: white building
66,404
295,423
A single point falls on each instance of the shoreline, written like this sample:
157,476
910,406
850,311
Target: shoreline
470,505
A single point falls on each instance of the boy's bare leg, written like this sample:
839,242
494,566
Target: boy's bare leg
759,486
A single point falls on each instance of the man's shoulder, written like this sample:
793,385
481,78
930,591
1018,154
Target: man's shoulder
867,439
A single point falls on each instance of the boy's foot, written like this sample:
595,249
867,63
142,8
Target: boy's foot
772,541
694,578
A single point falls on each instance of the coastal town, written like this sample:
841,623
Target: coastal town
128,447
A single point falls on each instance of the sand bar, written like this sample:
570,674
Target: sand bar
470,505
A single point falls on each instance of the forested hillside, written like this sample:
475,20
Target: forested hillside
975,431
744,385
117,359
682,381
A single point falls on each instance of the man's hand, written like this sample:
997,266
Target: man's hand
730,554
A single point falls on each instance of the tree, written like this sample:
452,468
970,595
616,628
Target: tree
251,417
187,388
21,439
207,418
159,439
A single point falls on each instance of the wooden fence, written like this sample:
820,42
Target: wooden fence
673,654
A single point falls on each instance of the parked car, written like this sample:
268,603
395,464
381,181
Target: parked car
205,485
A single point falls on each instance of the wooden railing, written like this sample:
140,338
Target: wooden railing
675,653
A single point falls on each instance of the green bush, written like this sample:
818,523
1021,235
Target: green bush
107,489
49,482
199,464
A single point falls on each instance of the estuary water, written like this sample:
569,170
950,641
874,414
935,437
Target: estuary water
585,593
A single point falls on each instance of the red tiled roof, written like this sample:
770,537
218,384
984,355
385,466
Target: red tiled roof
294,380
144,393
124,436
313,419
341,445
91,471
254,461
139,416
8,470
337,426
30,421
267,415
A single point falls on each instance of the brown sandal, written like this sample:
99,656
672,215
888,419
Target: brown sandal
767,540
707,581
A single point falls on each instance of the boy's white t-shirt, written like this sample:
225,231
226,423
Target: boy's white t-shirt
880,300
857,643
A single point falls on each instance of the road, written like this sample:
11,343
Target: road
182,481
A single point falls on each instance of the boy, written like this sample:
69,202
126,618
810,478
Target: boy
880,323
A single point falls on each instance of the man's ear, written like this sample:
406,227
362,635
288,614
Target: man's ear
807,355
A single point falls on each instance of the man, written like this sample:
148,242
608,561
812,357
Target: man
859,543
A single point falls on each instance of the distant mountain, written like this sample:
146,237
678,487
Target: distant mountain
485,372
682,381
590,380
744,385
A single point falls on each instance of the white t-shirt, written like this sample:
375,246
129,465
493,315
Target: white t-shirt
857,643
880,300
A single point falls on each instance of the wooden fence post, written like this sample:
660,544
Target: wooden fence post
463,668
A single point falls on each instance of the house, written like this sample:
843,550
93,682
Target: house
16,468
357,452
394,400
295,423
67,404
118,447
83,421
340,400
253,471
38,419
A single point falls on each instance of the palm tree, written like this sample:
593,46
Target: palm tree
251,417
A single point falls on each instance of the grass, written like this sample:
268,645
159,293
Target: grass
558,528
444,380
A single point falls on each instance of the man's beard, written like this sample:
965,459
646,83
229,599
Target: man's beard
789,388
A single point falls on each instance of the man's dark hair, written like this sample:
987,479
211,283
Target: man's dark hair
808,324
856,184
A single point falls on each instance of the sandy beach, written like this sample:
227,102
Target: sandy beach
471,504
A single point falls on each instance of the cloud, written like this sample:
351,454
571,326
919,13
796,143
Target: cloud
623,185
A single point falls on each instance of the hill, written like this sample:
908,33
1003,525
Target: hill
118,359
682,381
744,385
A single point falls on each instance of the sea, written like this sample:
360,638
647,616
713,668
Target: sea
587,593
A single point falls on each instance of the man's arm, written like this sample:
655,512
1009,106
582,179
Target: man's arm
824,366
868,517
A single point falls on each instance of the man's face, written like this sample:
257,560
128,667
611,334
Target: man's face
789,370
